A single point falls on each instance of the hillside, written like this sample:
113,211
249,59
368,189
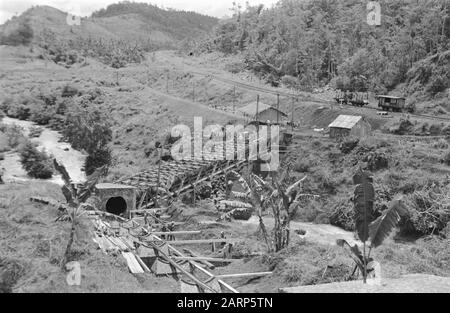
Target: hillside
130,22
305,44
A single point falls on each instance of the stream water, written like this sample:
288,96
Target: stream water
49,140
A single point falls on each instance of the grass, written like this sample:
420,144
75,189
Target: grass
32,245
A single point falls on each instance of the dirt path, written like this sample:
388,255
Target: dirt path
49,140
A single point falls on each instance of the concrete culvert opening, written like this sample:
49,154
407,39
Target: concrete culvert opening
116,205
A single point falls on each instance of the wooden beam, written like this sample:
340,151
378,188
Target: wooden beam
197,266
243,275
180,268
147,210
197,241
206,263
180,232
202,258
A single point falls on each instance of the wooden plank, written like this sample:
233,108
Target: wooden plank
159,267
206,263
197,266
133,264
244,275
199,241
177,266
142,263
201,258
119,243
188,288
186,232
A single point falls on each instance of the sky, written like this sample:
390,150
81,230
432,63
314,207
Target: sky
217,8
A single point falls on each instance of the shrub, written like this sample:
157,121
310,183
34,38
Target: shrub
40,114
20,111
36,163
13,134
302,165
429,210
376,161
97,159
35,132
235,67
289,81
69,91
4,145
22,35
437,84
342,215
348,144
326,181
441,144
447,158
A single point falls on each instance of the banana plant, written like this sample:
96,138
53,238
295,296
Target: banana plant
276,195
76,196
371,231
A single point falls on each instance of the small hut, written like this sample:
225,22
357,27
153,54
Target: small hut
349,125
266,113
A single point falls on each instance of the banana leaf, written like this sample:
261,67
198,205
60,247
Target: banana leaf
382,227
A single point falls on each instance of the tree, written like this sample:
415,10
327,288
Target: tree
316,41
90,130
369,228
275,195
75,196
21,35
36,163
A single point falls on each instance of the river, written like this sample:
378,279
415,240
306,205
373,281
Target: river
49,140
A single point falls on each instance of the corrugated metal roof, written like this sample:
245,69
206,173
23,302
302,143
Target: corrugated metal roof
345,121
390,97
250,109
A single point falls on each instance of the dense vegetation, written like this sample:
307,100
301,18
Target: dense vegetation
36,163
179,24
21,35
64,109
117,35
90,130
316,42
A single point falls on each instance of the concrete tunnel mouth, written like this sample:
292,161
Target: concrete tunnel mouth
116,205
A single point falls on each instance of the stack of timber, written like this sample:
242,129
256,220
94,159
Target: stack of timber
145,252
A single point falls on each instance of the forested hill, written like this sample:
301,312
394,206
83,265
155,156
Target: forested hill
179,24
135,23
314,42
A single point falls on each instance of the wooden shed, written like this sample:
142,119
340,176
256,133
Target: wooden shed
349,125
266,113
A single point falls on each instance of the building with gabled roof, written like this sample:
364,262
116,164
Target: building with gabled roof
349,125
266,113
